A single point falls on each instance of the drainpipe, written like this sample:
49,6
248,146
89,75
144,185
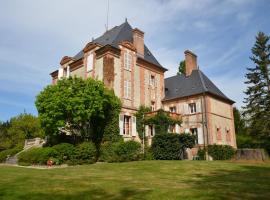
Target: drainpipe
205,125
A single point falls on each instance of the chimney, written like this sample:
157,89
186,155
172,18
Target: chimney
190,62
138,41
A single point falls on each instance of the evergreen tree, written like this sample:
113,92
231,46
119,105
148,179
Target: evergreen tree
182,67
257,102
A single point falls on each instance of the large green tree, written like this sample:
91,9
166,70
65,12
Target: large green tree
77,107
140,120
257,99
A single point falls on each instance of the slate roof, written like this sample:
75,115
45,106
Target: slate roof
117,34
180,86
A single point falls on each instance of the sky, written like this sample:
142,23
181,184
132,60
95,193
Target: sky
35,35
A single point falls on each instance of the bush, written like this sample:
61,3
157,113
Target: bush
120,151
148,154
221,152
65,151
128,151
85,153
201,154
9,152
37,156
166,147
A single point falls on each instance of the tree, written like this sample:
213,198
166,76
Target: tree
182,67
140,120
77,107
239,122
19,128
257,102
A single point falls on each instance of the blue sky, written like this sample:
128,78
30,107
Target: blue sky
35,35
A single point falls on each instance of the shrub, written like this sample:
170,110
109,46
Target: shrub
148,154
166,147
65,151
37,156
120,151
171,146
201,154
221,152
128,151
9,152
85,153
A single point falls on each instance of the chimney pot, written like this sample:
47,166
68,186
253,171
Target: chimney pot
190,62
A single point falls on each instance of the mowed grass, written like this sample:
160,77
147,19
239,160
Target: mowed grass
139,180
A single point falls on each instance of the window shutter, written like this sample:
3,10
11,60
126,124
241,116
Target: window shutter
68,71
121,124
90,62
134,130
186,109
60,73
154,130
177,128
146,130
198,107
186,130
200,135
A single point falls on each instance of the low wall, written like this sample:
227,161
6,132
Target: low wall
251,154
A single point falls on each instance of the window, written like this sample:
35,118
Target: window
228,135
127,122
173,109
127,89
152,80
172,128
153,107
194,131
192,107
127,61
219,136
90,62
151,130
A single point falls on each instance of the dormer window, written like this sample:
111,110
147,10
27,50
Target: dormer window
127,61
90,62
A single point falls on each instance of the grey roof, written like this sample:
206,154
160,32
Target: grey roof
117,34
180,86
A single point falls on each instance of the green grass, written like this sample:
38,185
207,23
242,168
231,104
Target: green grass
139,180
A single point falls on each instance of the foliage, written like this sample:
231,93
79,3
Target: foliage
111,131
162,121
76,106
128,151
239,122
182,67
19,128
120,151
171,146
9,152
85,153
201,154
148,154
257,99
140,120
221,152
65,151
37,156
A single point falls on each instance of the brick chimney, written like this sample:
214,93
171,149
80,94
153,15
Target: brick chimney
138,41
191,62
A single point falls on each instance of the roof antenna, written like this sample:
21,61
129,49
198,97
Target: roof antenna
108,9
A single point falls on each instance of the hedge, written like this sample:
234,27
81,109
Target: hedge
65,151
85,153
221,152
9,152
120,151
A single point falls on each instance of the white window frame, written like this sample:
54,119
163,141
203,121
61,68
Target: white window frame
194,131
153,105
192,108
127,89
152,80
127,122
127,61
172,109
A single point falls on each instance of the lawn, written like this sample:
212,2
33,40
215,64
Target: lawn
139,180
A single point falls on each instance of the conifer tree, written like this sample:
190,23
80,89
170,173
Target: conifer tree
258,91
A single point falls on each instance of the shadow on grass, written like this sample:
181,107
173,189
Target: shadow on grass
93,194
251,182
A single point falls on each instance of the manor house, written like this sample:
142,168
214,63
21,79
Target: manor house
123,62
